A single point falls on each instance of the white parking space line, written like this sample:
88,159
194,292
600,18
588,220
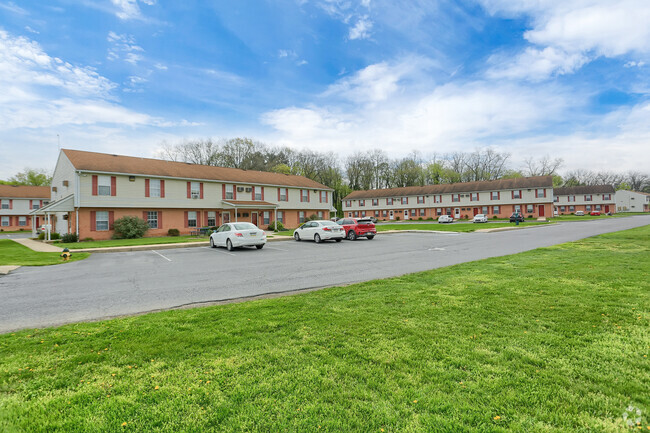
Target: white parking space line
166,258
275,248
224,252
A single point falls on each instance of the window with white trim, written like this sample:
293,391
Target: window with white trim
5,205
320,214
588,208
422,212
389,201
607,196
588,197
455,198
376,214
258,193
348,203
363,213
152,219
101,221
541,193
571,198
195,189
284,194
562,208
518,208
495,209
36,204
439,211
154,187
5,221
230,192
405,200
301,216
281,216
384,213
323,196
375,202
529,208
212,218
420,199
598,208
191,218
572,208
473,196
485,210
437,198
362,203
103,186
516,194
266,217
22,221
494,195
304,196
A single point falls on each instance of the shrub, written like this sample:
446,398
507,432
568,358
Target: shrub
494,217
529,216
88,239
272,226
21,230
420,219
130,227
312,217
396,218
69,238
55,235
41,236
173,232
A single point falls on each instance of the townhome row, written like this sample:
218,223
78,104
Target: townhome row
91,190
599,198
16,203
497,198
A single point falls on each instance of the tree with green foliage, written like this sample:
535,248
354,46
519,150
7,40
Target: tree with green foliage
32,177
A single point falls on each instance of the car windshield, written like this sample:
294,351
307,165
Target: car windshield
245,226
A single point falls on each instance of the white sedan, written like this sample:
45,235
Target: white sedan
319,230
445,219
233,235
480,218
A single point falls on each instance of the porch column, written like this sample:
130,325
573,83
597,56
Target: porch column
275,218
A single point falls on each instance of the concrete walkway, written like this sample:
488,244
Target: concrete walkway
4,270
38,246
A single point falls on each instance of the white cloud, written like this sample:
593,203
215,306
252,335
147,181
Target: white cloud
633,64
536,64
31,30
124,47
129,9
12,7
160,66
361,29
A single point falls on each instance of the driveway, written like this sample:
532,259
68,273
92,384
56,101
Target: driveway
107,285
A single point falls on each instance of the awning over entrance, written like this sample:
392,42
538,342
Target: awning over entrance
249,204
63,205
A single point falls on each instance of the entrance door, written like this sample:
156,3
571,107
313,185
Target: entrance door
390,215
457,213
406,214
475,210
606,208
541,210
226,217
254,217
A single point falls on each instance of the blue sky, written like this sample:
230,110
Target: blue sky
528,77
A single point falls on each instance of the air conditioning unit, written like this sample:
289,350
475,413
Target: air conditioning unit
240,189
249,189
194,195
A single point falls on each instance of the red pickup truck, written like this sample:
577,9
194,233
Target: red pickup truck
360,227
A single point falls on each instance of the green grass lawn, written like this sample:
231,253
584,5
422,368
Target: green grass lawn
132,242
453,227
551,340
13,253
565,218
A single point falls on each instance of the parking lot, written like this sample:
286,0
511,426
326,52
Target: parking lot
107,285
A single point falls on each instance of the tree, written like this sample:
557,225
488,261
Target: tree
545,166
33,177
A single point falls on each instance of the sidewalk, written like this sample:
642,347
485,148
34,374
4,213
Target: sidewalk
41,247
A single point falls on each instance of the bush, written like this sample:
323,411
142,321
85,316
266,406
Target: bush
55,235
130,227
494,217
396,218
88,239
420,219
173,232
41,236
69,238
312,217
271,226
529,216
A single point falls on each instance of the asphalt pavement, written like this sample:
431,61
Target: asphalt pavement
109,285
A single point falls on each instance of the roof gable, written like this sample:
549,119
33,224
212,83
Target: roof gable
24,191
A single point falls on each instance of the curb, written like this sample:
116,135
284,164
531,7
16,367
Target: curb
4,270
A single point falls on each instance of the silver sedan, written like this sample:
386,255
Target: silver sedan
319,230
233,235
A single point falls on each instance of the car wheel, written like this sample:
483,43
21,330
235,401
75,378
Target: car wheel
317,238
259,247
296,236
370,237
352,235
229,245
338,240
212,245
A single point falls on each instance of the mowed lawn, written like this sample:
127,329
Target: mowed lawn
15,254
454,227
552,340
132,242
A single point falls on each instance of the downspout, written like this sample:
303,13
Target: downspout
76,204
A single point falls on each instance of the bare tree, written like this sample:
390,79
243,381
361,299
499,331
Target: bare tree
544,166
637,180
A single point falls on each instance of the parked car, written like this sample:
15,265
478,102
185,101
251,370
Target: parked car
517,216
595,213
355,228
579,213
445,219
319,231
480,218
234,235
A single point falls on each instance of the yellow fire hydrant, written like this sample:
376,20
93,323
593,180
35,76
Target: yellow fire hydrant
66,254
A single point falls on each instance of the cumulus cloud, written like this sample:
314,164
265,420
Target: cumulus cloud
536,64
130,9
361,29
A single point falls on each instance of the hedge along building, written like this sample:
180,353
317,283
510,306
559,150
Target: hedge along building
16,203
91,190
532,196
569,200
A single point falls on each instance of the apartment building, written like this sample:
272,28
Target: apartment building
632,201
91,190
599,198
529,195
16,203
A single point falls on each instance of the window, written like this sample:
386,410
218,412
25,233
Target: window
36,204
473,196
420,199
356,214
362,203
5,205
320,214
607,196
258,193
571,198
363,213
437,199
301,216
485,210
588,208
376,214
349,214
154,187
152,219
518,208
494,195
572,208
422,212
230,192
281,216
405,200
562,208
323,196
556,199
212,218
389,201
22,221
191,218
439,211
104,186
304,195
495,210
529,208
384,213
597,207
588,197
282,194
455,198
195,190
516,194
101,220
348,203
375,202
540,193
5,221
448,211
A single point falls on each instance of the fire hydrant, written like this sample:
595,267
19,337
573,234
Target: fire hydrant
66,254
